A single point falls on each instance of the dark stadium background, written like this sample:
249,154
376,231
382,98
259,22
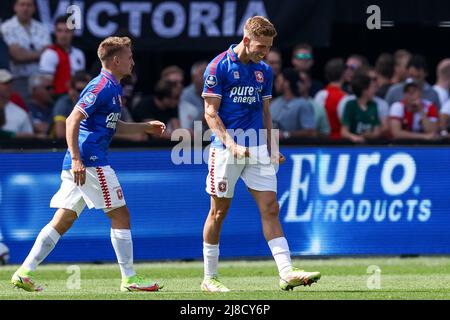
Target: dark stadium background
342,30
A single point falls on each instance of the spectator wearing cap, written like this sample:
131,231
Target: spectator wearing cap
61,60
191,106
274,60
360,120
417,72
384,67
26,39
14,98
330,96
443,80
413,117
291,114
41,103
14,120
401,58
320,115
303,60
353,62
64,105
162,105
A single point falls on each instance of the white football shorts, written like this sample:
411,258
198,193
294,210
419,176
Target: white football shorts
102,190
257,171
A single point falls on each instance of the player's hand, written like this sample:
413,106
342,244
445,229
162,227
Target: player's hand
79,172
282,158
278,158
155,127
240,152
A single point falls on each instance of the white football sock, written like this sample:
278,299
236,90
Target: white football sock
44,244
281,254
210,259
123,246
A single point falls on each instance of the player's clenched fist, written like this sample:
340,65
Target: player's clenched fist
155,127
79,172
240,152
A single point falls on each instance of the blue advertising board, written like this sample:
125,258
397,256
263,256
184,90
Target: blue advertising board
333,201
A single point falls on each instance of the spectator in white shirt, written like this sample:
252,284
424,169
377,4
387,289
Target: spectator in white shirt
413,117
191,106
15,120
444,120
443,80
26,39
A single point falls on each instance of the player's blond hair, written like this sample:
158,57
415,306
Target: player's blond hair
111,46
259,26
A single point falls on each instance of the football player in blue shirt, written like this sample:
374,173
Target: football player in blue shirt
87,178
237,93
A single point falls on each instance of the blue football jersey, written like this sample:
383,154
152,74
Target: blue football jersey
100,102
242,89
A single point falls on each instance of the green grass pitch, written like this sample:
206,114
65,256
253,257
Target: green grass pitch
342,278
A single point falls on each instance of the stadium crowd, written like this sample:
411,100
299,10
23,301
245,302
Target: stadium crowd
40,82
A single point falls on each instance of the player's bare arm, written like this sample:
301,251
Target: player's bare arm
72,131
212,117
272,140
151,127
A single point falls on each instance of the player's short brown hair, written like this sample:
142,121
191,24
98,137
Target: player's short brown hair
112,45
259,26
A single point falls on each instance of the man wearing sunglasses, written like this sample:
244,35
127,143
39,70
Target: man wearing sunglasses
353,62
41,103
64,105
303,60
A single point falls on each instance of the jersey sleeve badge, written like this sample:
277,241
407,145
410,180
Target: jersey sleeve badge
211,81
89,98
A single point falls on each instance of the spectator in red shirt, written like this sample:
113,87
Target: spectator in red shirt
61,60
413,117
330,96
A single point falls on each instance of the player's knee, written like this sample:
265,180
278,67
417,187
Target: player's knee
63,224
219,214
272,210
